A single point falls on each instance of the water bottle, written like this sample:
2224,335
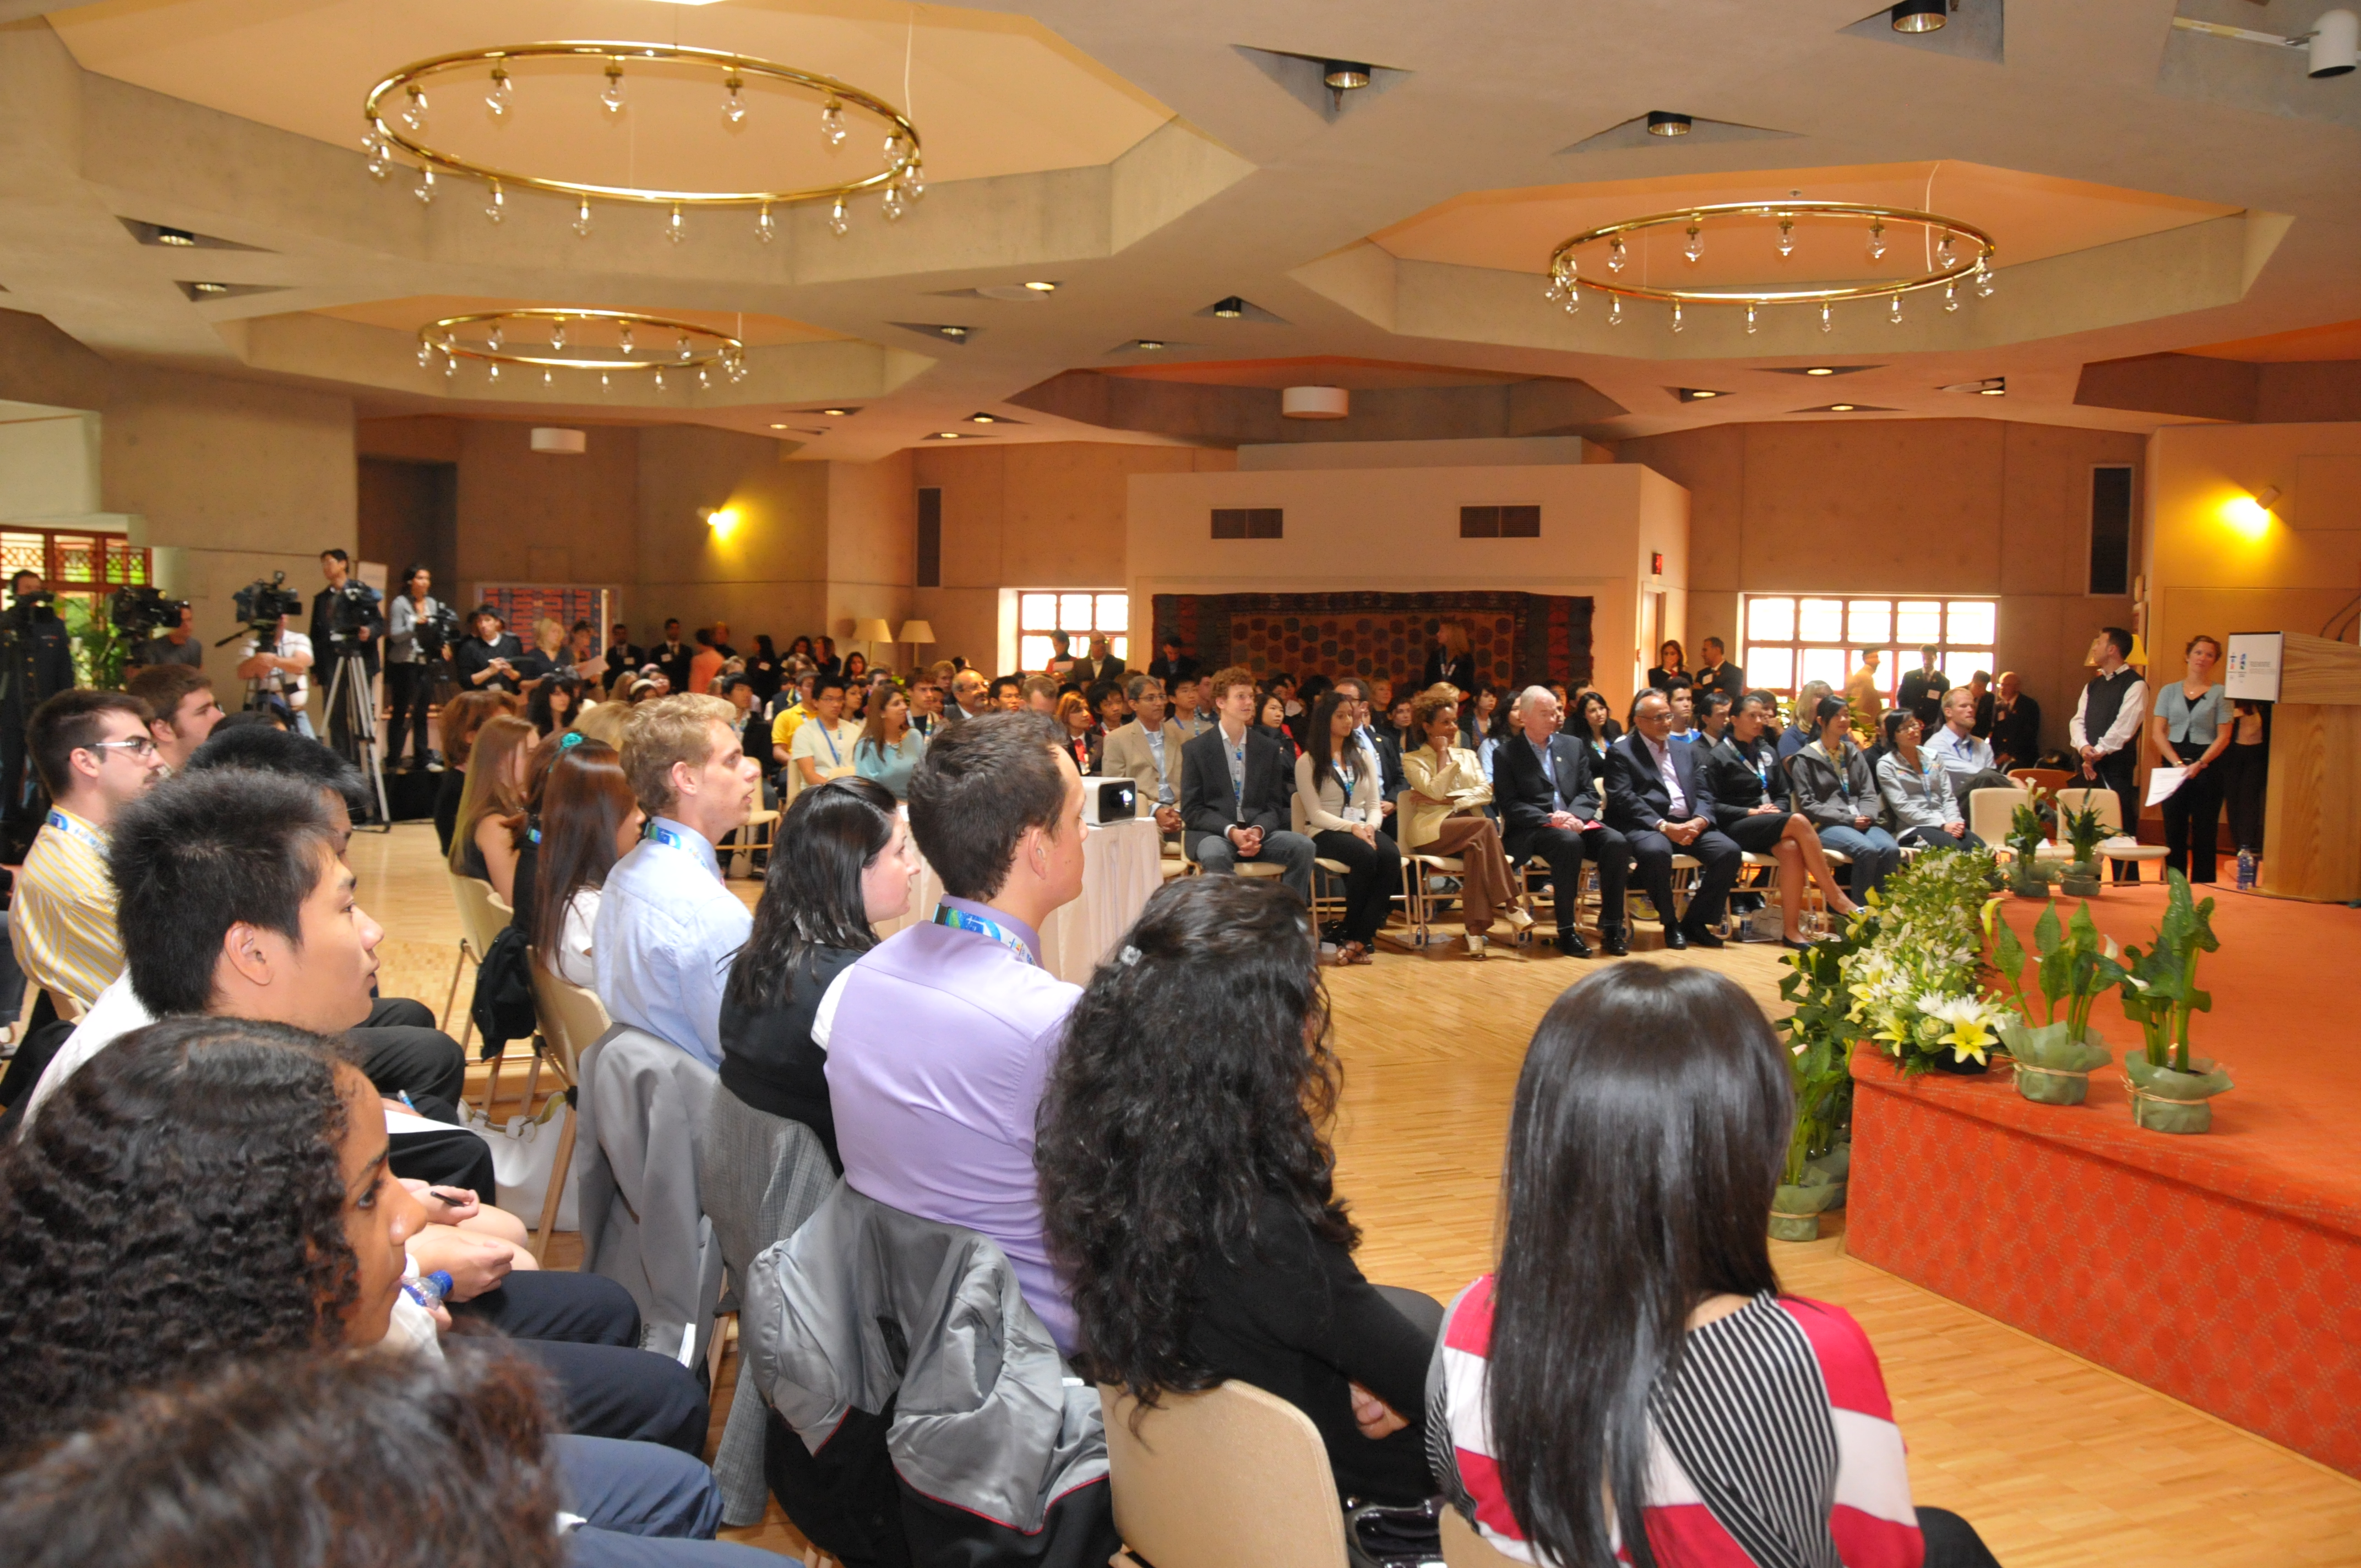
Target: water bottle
2245,870
429,1290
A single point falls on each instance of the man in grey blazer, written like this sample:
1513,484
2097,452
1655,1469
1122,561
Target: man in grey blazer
1148,752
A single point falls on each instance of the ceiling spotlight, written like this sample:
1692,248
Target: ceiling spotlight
1695,394
1990,387
1043,288
1919,15
174,236
1343,76
1661,123
983,419
953,332
778,427
947,435
1149,343
1840,407
1230,309
210,288
2335,46
1821,370
839,413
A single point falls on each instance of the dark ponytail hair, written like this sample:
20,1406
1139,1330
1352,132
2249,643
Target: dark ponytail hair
811,895
1651,1122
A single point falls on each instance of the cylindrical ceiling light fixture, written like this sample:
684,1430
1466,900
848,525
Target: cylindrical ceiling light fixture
1919,15
2335,44
1343,75
1314,402
1662,124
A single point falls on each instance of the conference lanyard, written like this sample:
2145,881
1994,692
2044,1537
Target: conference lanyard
835,757
961,920
75,830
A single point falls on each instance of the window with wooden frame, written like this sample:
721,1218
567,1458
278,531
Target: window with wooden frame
1795,638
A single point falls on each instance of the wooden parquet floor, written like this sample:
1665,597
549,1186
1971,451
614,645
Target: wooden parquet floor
2057,1461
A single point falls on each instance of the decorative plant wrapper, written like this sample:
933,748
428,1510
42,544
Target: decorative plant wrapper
2053,1068
1795,1209
1836,1165
2165,1101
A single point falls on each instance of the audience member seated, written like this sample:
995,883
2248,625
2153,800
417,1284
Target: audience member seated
841,867
94,756
1109,703
1270,722
1078,732
1752,805
463,715
1712,719
754,725
588,820
1835,787
604,723
1682,694
890,745
1038,694
1189,710
183,709
1481,726
1384,752
970,697
1236,788
943,1034
490,659
1186,1178
1804,728
668,926
1918,791
2015,730
926,704
555,701
1395,724
1338,780
500,777
1670,662
1716,672
795,705
822,747
1633,1373
1148,752
1442,813
1966,756
213,1188
1656,801
1550,809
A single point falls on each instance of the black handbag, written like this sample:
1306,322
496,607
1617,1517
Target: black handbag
1379,1536
502,1005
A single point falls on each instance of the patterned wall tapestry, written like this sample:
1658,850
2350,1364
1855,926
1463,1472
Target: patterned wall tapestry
1516,638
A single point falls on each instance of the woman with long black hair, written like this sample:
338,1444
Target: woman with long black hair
1341,784
1633,1379
1186,1184
842,864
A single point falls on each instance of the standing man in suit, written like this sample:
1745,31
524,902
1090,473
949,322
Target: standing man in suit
1549,807
2014,727
1922,690
1148,752
623,656
1717,674
1655,800
673,656
1102,668
1171,666
359,608
1237,790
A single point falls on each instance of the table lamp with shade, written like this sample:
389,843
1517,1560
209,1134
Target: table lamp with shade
916,633
872,631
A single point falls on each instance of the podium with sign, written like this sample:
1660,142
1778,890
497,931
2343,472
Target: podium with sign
2312,823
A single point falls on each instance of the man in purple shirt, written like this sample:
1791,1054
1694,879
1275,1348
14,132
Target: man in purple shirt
942,1035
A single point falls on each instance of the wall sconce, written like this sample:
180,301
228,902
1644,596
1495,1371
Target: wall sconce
2251,515
721,520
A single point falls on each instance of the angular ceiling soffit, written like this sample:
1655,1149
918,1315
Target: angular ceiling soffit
1231,416
1632,136
1302,76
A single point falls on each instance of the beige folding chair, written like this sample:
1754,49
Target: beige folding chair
1233,1477
1990,813
761,826
482,913
1463,1548
2120,846
1328,876
571,1018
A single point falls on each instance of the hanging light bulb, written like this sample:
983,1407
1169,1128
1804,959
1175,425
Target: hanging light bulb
734,108
892,205
381,156
450,365
627,337
613,96
1877,239
896,154
581,225
1893,315
765,229
1556,290
836,219
1951,295
1572,300
831,124
547,377
1676,316
685,352
425,355
557,336
1749,317
1615,312
497,101
737,368
1827,322
424,188
414,118
673,231
604,381
1983,282
914,179
1694,250
1786,237
704,381
496,338
1615,254
659,378
1944,251
498,207
495,369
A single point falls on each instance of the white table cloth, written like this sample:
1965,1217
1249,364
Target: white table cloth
1123,864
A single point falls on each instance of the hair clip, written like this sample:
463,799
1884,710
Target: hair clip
1129,956
570,739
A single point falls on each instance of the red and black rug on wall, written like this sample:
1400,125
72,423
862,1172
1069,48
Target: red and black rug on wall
1516,638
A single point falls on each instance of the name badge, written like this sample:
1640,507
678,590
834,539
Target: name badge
1356,814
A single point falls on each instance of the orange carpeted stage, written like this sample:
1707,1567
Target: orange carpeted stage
2224,1268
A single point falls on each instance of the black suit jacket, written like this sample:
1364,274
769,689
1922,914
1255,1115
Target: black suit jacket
1732,787
1527,798
2016,734
623,658
1727,678
1636,800
1922,693
1205,798
321,650
1459,672
1169,671
673,663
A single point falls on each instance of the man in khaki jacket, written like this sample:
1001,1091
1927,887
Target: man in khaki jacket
1148,752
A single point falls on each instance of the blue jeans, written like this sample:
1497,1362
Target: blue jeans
646,1507
1874,855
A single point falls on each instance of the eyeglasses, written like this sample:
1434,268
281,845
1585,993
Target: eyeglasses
137,745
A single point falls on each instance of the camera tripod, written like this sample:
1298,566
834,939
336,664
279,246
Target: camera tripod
352,700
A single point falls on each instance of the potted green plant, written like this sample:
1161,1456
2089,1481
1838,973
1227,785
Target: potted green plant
2073,965
2084,831
2173,1090
1820,1034
2026,837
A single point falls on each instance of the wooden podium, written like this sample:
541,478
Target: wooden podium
2311,823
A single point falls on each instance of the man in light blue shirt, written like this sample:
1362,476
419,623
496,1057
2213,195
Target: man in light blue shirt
668,926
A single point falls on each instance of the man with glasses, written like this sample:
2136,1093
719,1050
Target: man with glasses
1384,753
95,755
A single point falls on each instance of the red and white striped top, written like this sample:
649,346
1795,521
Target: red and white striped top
1776,1444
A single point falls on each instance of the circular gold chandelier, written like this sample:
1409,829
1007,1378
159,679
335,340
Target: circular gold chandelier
1950,263
697,350
396,110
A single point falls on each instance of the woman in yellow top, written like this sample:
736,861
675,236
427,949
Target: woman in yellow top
1442,813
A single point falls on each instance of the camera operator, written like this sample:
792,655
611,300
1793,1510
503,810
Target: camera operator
38,665
284,669
174,647
489,661
416,646
347,616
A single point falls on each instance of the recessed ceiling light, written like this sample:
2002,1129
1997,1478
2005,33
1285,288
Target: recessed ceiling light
1151,344
839,413
1343,75
1993,391
210,288
778,427
947,435
1821,370
1661,123
983,419
1695,394
1919,15
1840,407
174,236
1990,387
1042,288
953,332
1230,309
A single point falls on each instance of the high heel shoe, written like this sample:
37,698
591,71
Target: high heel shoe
1789,942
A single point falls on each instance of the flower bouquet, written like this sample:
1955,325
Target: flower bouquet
2173,1090
2072,966
1913,988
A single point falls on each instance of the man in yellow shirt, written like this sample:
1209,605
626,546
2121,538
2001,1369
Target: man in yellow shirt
1864,690
95,756
791,719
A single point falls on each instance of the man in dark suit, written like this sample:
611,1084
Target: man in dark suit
2015,725
1655,800
1101,668
1541,781
1922,690
1237,790
623,656
1171,666
363,614
672,656
1717,674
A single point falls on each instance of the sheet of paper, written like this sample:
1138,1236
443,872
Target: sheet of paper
2162,781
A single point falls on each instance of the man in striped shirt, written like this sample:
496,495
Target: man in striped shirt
95,755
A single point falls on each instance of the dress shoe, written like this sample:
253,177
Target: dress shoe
1571,944
1703,939
1675,940
1617,943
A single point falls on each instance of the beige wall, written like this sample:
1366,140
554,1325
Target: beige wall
1398,530
1936,507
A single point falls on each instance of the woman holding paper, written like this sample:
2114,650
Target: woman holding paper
2189,728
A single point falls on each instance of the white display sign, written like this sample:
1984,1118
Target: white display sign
2253,674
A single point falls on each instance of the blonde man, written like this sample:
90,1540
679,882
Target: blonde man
668,926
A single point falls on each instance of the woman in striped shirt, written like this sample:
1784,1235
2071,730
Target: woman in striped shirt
1632,1385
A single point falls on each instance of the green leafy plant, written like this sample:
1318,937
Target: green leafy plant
1821,1034
2073,965
99,647
2160,986
1913,986
2083,830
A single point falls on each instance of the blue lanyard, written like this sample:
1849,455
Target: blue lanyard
73,829
835,757
962,920
666,837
